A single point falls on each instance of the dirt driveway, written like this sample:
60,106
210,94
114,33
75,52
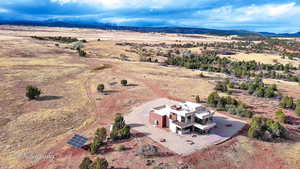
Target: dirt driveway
138,120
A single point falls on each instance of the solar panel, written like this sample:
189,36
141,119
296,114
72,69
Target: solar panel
77,141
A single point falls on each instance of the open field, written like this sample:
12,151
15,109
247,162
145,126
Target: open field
263,58
70,102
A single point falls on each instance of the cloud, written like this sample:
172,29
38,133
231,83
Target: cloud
3,10
265,17
119,4
268,12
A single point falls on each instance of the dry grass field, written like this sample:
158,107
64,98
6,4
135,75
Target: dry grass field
70,103
263,58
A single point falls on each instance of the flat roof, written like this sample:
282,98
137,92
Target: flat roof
162,110
182,109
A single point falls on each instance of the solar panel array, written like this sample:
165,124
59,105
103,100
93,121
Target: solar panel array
77,141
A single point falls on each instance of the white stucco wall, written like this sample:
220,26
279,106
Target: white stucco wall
172,126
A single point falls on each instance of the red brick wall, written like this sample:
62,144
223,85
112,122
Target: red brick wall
153,116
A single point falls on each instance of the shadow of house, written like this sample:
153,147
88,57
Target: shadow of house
48,98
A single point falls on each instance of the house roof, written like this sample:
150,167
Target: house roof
161,110
182,109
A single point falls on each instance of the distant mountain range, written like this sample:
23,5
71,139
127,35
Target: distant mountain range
280,34
183,30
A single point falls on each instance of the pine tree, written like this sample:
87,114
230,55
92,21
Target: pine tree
86,163
269,92
290,102
124,82
101,134
120,130
297,111
94,148
213,99
100,87
100,163
32,92
280,116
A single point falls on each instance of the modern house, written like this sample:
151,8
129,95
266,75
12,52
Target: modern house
183,118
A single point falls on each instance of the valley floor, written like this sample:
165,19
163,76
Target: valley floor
71,104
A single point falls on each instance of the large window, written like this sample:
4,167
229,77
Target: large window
189,119
202,121
197,120
182,119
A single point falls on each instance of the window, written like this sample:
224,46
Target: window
199,121
189,119
182,119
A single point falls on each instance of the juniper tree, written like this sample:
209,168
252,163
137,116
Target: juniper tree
86,163
32,92
297,111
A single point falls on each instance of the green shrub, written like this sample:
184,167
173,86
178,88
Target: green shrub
244,86
247,113
290,103
94,147
32,92
286,102
251,89
297,111
260,92
81,53
221,87
258,88
56,38
266,129
86,163
280,116
98,141
273,87
121,148
120,129
100,87
213,99
100,163
124,82
253,133
269,92
101,134
229,104
231,85
77,46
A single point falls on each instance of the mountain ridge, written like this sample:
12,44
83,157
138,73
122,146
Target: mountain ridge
165,29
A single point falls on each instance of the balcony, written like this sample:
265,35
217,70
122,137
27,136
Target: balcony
206,126
181,124
204,115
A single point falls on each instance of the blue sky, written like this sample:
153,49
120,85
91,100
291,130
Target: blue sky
259,15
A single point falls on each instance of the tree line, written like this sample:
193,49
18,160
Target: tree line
212,63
